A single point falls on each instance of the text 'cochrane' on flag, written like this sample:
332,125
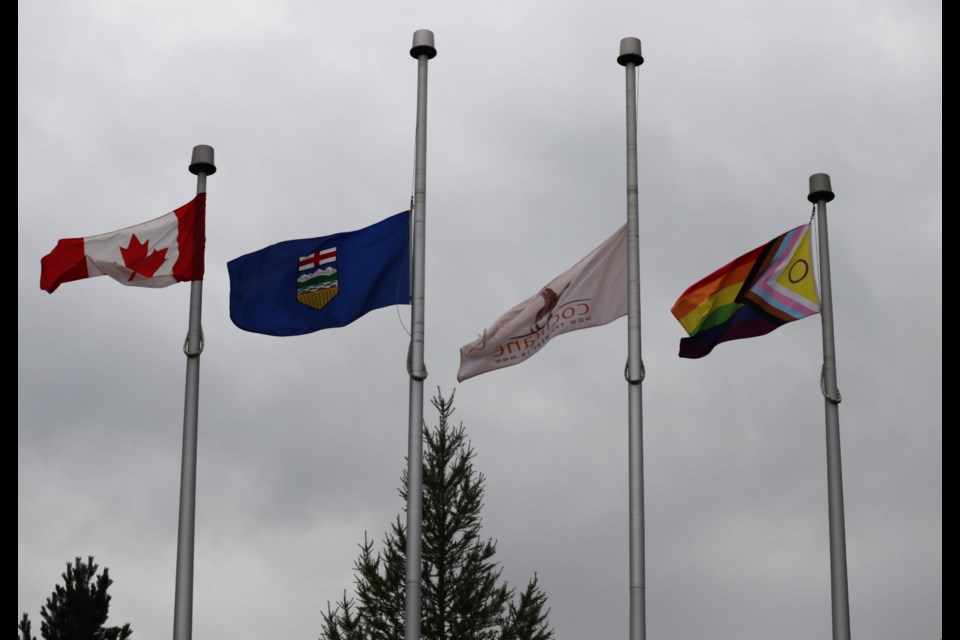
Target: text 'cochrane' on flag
591,293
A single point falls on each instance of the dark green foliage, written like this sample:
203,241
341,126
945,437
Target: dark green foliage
24,627
528,620
77,610
463,595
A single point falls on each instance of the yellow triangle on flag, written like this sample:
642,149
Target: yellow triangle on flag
797,276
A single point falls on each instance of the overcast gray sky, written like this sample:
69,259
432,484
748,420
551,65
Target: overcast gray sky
311,109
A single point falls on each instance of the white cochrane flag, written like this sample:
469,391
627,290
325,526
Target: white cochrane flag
591,293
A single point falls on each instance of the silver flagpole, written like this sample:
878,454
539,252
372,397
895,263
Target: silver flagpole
631,58
821,193
423,50
202,166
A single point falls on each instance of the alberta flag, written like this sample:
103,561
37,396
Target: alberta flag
301,286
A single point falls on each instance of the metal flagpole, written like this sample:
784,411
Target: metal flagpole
821,193
423,50
630,57
202,166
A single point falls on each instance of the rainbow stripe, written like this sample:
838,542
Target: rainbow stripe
753,295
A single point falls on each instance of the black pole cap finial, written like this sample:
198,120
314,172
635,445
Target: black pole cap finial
202,160
423,44
820,188
630,52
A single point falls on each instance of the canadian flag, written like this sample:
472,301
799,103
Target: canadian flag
157,253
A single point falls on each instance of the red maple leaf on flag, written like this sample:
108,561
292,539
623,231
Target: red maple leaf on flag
135,257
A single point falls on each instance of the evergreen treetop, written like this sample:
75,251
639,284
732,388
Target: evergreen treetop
77,609
463,595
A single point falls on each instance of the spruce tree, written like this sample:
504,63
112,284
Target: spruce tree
77,610
24,628
463,596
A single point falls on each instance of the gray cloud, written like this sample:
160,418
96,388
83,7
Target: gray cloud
302,440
